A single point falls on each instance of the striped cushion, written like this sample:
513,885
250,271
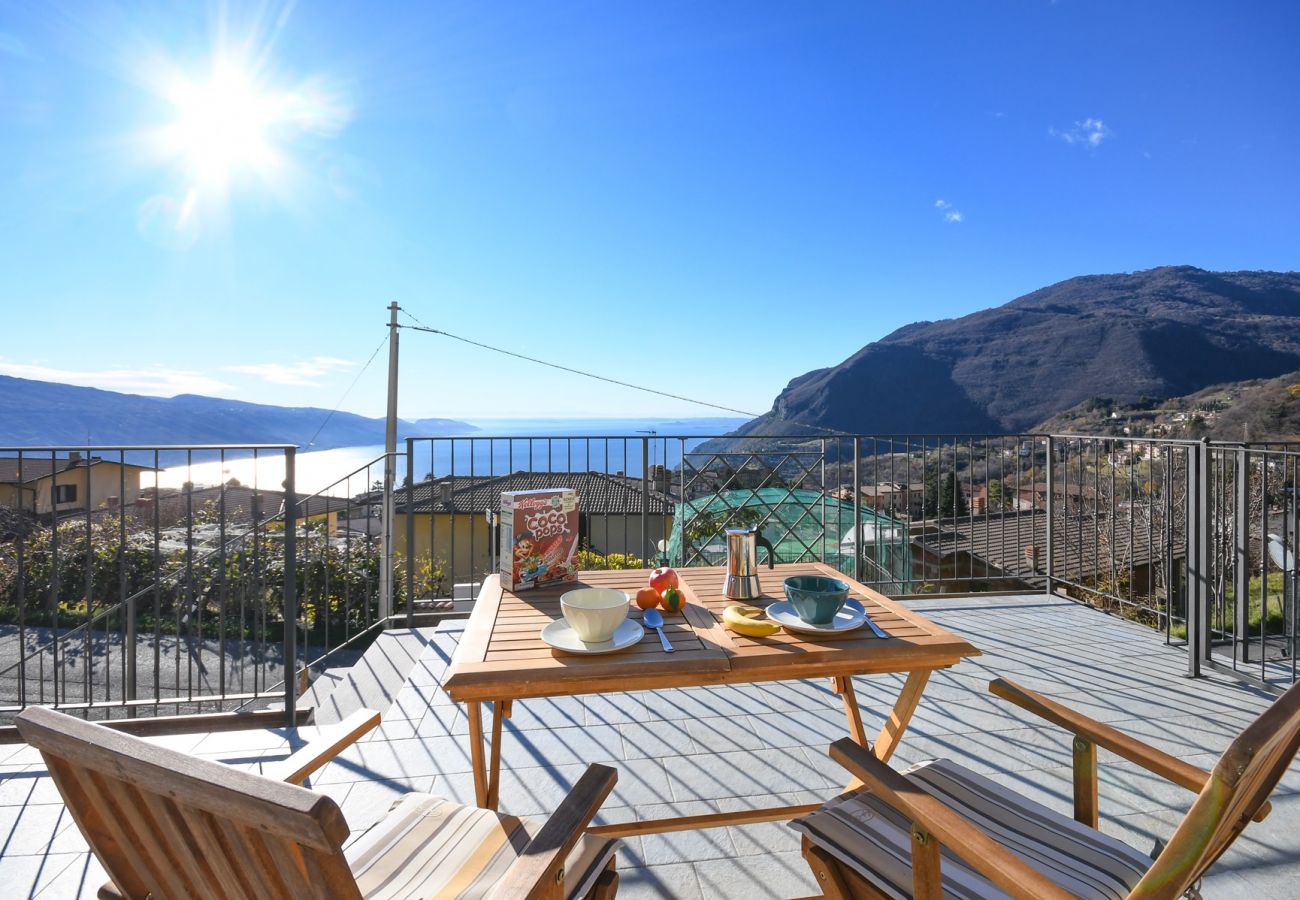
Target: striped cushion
430,847
864,832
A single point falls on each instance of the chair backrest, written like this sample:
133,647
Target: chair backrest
1234,794
167,824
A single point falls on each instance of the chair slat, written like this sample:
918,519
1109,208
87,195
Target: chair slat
227,873
136,836
295,812
243,856
188,855
287,856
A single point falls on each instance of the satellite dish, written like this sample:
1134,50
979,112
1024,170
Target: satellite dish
1283,556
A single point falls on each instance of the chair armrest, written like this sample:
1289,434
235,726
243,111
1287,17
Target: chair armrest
1160,763
539,870
952,830
332,740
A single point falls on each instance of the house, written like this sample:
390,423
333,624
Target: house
895,498
454,517
60,485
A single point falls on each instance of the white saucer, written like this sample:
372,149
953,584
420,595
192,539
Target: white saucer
560,635
850,616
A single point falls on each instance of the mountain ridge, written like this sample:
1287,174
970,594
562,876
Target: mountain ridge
1159,332
45,413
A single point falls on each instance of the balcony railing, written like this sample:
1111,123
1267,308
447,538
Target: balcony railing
119,597
1103,519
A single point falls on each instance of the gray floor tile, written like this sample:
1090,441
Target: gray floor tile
645,882
775,875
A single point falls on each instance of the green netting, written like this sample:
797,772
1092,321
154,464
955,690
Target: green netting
804,526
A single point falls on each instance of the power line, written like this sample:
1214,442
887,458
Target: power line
348,391
420,326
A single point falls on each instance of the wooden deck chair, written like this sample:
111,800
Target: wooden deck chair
941,830
168,825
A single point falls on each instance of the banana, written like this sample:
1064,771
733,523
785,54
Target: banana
749,621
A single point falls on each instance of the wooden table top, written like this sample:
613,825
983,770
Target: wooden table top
502,657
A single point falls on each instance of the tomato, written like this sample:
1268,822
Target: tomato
673,600
646,598
662,579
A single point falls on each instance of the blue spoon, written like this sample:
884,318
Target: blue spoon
655,619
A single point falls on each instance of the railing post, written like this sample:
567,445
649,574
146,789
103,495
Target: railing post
1241,567
290,611
410,531
1198,553
131,682
645,498
857,509
1051,510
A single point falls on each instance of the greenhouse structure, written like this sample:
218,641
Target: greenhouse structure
803,525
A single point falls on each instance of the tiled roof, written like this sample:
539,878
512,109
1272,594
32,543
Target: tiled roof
36,466
598,493
1079,549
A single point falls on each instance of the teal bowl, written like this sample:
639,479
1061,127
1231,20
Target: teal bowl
816,598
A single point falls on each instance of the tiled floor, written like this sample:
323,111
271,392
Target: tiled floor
700,750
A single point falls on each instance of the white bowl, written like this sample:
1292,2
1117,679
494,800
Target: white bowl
594,613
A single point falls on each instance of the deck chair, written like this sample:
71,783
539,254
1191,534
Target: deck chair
940,830
168,825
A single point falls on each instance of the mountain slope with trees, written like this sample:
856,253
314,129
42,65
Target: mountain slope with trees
1255,410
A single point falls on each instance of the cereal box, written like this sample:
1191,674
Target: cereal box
539,535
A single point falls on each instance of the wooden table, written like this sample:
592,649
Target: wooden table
501,658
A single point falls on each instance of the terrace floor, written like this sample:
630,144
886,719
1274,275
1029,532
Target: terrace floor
705,749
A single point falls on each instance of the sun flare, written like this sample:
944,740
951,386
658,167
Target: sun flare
232,125
223,126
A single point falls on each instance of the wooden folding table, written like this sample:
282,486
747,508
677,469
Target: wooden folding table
501,658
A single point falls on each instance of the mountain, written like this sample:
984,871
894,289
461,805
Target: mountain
1255,410
42,413
1157,333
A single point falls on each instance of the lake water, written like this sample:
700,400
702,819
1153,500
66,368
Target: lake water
561,445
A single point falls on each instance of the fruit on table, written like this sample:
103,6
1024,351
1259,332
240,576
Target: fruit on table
662,579
647,598
673,600
749,621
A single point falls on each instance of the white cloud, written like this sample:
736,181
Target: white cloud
1088,133
156,381
950,215
305,373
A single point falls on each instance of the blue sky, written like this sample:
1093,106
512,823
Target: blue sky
708,198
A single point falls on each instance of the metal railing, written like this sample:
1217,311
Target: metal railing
181,598
1243,619
122,598
1122,523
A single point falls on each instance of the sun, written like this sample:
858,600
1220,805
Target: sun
224,126
230,124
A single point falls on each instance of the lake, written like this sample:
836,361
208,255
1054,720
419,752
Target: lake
499,447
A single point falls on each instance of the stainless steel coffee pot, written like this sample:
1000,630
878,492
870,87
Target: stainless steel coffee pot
742,562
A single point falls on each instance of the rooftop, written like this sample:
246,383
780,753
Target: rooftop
727,748
598,493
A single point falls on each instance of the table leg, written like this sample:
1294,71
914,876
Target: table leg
844,687
898,720
474,711
501,710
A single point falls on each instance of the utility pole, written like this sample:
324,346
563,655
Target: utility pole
390,470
